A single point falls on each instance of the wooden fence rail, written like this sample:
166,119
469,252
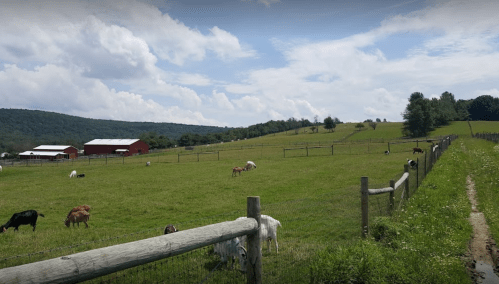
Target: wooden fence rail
99,262
435,151
366,191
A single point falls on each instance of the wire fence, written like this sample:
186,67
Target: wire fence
494,137
219,152
379,205
307,225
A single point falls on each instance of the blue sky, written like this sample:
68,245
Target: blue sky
242,62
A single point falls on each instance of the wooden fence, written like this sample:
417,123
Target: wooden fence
200,153
494,137
307,148
99,262
423,168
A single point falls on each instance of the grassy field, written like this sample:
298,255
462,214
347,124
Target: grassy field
316,198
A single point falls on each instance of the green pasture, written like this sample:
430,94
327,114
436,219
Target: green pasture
316,198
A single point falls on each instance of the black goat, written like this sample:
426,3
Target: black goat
80,176
27,217
170,229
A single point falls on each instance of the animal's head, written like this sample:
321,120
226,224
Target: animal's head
66,222
170,229
243,257
3,229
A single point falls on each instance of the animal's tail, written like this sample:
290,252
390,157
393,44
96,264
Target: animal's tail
40,214
279,223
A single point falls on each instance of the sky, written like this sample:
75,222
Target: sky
238,63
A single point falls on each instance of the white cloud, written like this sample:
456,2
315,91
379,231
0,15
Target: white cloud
249,103
58,89
221,100
193,79
491,92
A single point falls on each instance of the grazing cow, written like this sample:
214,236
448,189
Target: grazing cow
27,217
237,169
170,229
80,176
77,217
417,150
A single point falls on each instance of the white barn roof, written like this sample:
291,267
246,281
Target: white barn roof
52,147
41,153
112,142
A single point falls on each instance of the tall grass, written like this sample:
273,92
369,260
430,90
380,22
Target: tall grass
425,242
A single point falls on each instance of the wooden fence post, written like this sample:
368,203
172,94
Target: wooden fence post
417,172
406,170
332,150
254,265
425,172
307,150
364,191
388,146
392,196
178,158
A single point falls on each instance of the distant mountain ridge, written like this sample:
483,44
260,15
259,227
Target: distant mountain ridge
18,126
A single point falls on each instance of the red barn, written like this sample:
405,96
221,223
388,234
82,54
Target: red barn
70,150
127,147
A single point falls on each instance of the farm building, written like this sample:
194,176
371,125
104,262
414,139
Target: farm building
72,151
50,155
126,147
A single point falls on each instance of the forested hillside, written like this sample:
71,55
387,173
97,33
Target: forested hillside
23,129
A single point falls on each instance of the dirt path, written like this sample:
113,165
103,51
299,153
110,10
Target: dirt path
481,242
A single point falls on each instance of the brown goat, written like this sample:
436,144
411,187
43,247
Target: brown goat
77,217
79,208
417,150
237,169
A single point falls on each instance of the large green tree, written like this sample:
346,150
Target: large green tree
418,116
329,124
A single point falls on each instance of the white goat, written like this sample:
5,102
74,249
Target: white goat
232,248
251,163
268,231
0,168
72,174
148,163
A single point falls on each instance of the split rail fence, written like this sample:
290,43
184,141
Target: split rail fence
95,263
411,178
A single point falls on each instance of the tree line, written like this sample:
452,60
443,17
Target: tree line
192,139
23,130
423,115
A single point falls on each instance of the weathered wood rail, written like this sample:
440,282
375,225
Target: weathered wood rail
99,262
366,191
434,153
